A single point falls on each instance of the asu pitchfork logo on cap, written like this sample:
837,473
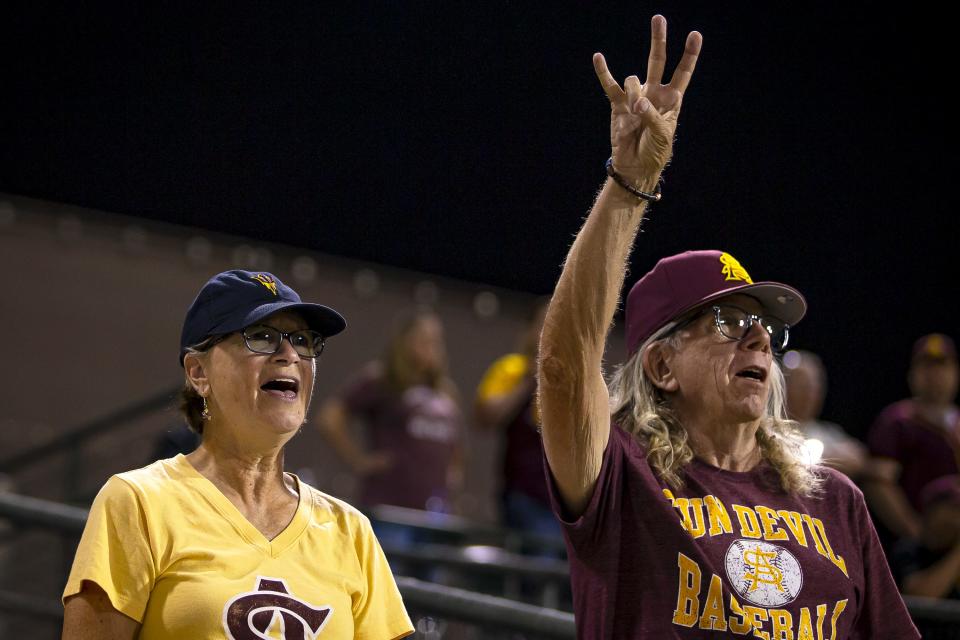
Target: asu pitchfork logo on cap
270,284
733,270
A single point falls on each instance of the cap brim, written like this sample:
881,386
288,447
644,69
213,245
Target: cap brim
777,299
321,319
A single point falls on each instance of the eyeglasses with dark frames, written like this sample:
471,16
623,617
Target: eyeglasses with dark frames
264,339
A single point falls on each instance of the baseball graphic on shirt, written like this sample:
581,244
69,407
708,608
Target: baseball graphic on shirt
763,573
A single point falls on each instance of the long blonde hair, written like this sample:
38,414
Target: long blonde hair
642,409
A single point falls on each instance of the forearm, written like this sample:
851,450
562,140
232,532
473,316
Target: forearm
586,296
891,505
937,580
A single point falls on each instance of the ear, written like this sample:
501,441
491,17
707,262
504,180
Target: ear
193,367
656,364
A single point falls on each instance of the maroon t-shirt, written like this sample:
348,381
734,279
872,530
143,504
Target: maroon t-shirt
419,426
925,451
728,554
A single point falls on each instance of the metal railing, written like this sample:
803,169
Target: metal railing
84,432
465,531
72,440
485,611
488,612
936,619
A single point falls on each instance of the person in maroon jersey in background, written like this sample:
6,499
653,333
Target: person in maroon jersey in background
686,506
414,424
917,440
506,401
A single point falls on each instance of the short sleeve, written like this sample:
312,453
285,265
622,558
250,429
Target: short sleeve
882,614
378,613
884,437
604,505
502,376
114,551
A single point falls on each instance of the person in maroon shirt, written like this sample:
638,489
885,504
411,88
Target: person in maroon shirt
409,407
917,440
687,508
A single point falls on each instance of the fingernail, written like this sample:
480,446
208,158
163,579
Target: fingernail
643,104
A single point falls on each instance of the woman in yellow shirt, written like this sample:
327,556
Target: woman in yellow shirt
222,543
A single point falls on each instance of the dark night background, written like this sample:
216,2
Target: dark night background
816,143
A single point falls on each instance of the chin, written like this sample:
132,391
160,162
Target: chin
285,424
748,412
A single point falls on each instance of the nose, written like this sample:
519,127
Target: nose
286,352
757,338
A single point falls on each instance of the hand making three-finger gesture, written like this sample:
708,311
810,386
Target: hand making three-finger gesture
643,117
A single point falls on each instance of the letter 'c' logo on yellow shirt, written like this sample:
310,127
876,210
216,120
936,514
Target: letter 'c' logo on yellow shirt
269,283
732,269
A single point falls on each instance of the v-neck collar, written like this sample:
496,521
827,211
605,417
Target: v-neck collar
220,502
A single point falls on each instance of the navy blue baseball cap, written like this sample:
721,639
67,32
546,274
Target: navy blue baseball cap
232,300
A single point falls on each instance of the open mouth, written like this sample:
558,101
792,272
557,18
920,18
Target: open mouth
282,387
753,373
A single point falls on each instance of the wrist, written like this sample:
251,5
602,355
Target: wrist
644,187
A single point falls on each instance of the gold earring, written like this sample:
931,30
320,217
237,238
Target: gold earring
205,414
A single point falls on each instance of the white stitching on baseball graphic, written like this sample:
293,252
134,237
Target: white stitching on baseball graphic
763,573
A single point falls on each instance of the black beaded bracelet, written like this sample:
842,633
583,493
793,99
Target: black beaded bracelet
643,195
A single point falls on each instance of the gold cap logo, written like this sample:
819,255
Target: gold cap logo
733,270
935,346
267,281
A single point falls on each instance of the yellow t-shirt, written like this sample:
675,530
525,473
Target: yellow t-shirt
175,554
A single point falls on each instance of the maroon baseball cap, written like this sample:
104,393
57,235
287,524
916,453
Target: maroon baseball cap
687,280
935,346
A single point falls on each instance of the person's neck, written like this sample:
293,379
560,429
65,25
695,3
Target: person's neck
731,446
251,474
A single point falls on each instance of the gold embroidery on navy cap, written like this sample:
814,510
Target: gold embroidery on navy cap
267,281
732,269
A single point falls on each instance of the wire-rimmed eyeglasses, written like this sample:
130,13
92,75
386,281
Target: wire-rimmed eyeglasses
735,323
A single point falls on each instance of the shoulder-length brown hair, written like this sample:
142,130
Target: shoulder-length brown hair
398,369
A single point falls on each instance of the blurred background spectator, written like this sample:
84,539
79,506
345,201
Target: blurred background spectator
915,441
826,443
506,400
930,565
408,405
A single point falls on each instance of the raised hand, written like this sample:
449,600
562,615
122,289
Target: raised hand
643,117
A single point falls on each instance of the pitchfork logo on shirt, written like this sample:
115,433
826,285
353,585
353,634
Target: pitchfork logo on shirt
763,573
271,612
